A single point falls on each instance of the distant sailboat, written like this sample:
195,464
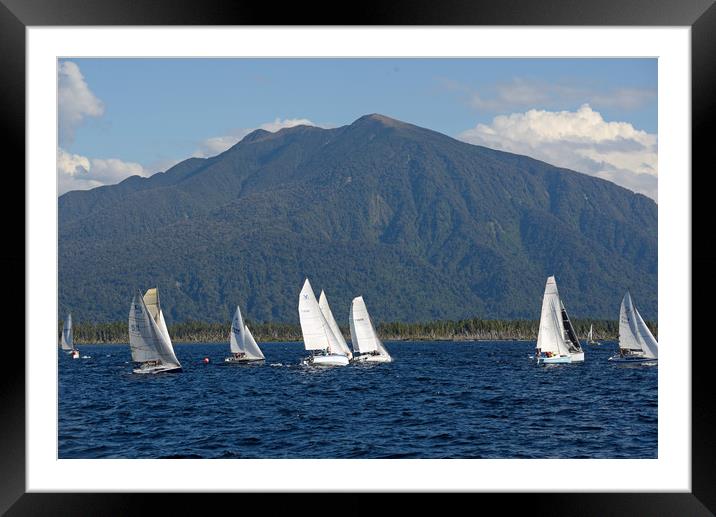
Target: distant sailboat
636,342
367,346
148,335
590,336
242,343
557,341
67,340
328,315
318,338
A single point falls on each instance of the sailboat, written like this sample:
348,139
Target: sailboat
636,342
148,336
318,338
557,341
328,315
67,340
367,346
590,336
243,346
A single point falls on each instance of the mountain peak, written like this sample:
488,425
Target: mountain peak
380,119
255,135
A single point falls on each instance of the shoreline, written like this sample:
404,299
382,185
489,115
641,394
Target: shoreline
298,341
442,330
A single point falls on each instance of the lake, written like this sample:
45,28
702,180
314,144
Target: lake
436,400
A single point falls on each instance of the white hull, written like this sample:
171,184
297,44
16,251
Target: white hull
328,360
243,359
370,358
157,369
559,359
577,357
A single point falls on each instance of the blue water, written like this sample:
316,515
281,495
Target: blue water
436,400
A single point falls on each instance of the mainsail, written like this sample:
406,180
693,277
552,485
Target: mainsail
148,336
66,341
551,336
328,315
241,340
317,333
634,335
364,338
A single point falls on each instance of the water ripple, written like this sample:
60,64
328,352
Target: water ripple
436,400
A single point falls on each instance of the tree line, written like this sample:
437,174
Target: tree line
469,329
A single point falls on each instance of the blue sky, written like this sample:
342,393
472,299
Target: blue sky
138,116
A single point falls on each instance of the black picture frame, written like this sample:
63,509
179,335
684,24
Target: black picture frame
700,15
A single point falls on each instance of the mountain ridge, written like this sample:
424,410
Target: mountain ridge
402,208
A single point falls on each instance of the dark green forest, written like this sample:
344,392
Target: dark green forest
471,329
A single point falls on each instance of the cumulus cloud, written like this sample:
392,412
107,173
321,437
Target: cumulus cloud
75,101
521,93
77,172
579,140
218,144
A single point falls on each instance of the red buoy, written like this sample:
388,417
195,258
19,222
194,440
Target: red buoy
206,360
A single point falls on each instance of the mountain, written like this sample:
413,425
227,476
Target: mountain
422,225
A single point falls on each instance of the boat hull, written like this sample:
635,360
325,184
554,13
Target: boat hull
153,370
577,357
559,359
243,360
328,360
369,358
633,360
75,354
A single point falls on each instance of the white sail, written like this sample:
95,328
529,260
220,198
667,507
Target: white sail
67,341
252,348
317,334
551,336
634,335
590,337
151,300
237,336
148,337
364,338
328,315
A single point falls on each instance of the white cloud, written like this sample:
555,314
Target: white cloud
289,122
580,140
218,144
77,172
75,101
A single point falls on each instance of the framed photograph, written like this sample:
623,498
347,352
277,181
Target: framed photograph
315,138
